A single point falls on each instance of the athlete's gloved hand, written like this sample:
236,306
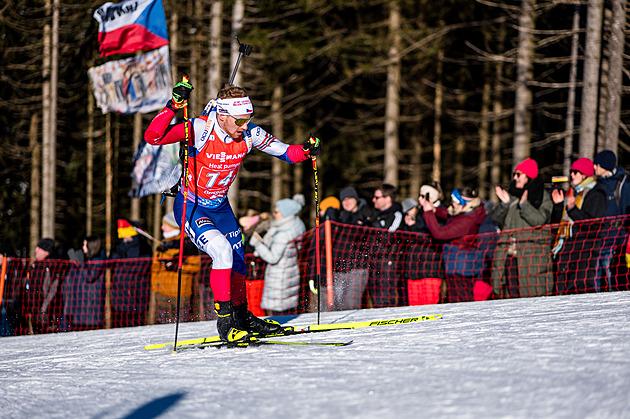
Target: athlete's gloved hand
312,146
181,94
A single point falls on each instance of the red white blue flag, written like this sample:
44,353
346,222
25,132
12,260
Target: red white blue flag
130,26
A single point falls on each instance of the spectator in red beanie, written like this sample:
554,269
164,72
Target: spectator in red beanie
576,246
521,259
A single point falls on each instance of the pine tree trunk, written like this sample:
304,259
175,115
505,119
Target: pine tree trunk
137,137
588,126
214,65
277,126
392,106
522,106
89,166
484,134
108,183
570,121
497,124
36,167
615,84
437,122
45,149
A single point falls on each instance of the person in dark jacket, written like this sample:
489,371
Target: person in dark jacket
350,270
459,233
84,286
388,212
522,263
617,185
42,300
386,286
576,246
354,210
412,220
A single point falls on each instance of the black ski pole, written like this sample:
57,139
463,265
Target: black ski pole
183,221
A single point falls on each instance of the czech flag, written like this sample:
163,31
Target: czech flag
130,26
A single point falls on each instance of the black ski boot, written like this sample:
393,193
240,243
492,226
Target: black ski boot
245,320
226,323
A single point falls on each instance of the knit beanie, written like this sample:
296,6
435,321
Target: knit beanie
529,167
434,194
606,159
331,201
348,192
584,166
169,220
408,204
288,207
46,244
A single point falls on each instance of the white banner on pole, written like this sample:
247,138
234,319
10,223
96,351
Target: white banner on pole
139,84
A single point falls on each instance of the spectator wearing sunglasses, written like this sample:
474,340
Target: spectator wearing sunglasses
522,264
576,246
221,138
459,234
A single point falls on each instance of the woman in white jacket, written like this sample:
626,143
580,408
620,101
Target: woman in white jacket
282,275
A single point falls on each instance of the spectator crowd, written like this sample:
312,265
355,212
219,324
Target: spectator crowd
429,248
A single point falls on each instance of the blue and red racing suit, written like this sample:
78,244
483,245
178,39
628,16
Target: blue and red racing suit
214,161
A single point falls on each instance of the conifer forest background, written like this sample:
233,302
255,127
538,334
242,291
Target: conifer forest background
401,91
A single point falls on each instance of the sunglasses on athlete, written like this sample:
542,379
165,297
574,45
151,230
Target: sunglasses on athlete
242,121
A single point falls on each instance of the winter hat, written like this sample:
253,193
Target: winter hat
300,199
331,201
434,194
125,229
348,192
46,244
288,207
169,220
408,204
248,222
529,167
584,166
606,159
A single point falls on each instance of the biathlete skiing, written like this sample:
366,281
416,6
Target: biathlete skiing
219,140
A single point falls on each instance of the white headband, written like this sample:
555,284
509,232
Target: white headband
235,106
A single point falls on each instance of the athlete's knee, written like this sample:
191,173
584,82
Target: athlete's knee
217,247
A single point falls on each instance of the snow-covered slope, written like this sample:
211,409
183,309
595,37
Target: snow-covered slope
552,357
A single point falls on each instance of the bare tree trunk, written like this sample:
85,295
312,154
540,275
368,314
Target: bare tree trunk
588,126
238,11
392,107
570,122
196,64
89,163
437,121
137,137
615,83
36,193
173,44
522,107
49,155
214,66
108,183
460,149
46,131
497,125
277,126
484,133
416,166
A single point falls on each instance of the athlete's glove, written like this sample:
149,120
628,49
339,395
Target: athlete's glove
312,146
181,94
